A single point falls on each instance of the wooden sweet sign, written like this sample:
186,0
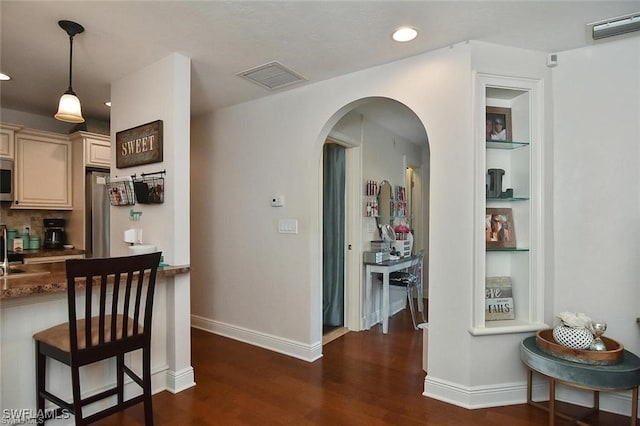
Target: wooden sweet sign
140,145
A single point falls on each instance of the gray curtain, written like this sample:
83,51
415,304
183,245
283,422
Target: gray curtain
333,235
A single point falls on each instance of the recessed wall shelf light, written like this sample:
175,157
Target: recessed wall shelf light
4,77
404,34
108,103
615,26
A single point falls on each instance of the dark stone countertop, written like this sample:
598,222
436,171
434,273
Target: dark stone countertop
51,252
43,278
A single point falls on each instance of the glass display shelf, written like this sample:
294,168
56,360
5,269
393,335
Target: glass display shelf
502,249
507,327
506,144
507,199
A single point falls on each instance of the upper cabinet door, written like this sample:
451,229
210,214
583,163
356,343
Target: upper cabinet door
43,171
96,148
7,140
98,153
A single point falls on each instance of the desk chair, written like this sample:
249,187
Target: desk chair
411,279
119,323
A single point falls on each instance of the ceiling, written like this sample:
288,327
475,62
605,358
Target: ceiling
317,39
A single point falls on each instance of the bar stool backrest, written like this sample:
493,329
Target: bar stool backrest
118,297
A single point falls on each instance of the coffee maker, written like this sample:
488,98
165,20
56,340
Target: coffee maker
54,235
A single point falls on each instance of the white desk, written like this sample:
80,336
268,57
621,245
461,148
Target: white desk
384,268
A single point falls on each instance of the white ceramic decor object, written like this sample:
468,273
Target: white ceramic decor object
575,338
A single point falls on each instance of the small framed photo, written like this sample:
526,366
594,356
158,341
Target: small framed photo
499,229
498,124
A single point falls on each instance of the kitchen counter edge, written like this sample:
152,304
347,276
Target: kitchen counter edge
53,280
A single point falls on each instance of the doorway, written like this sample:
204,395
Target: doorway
349,247
382,138
333,236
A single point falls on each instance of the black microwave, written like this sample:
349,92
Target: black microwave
6,179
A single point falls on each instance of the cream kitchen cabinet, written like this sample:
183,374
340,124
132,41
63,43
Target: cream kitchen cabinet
90,150
96,149
43,171
7,140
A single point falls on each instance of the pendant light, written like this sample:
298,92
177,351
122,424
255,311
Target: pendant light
69,106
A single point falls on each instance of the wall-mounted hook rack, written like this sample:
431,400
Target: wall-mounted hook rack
134,216
120,191
149,187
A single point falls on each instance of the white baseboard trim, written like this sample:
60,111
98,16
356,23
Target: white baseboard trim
177,381
475,396
278,344
516,393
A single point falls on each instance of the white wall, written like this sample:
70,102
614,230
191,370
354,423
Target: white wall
496,374
597,187
157,92
265,288
161,91
260,286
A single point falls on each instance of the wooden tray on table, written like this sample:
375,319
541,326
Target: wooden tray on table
613,355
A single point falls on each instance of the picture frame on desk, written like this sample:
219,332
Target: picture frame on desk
500,232
498,124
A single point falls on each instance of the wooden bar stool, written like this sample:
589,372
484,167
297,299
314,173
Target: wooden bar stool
114,323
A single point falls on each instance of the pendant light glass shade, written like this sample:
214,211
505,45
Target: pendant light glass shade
69,109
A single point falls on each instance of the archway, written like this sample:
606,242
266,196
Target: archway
384,138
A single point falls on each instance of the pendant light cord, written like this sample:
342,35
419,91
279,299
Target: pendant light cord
70,62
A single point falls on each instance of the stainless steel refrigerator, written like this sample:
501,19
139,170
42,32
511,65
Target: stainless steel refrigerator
97,211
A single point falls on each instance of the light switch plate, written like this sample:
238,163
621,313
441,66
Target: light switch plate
288,226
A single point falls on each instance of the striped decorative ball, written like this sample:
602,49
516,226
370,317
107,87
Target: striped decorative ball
574,338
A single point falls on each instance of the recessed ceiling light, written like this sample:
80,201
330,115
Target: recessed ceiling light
403,34
108,103
4,77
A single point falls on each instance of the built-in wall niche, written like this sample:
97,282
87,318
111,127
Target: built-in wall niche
509,190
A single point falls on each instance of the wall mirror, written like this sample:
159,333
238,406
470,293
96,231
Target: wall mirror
385,204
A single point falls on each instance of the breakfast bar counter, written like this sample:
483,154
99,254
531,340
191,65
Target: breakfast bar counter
35,298
45,278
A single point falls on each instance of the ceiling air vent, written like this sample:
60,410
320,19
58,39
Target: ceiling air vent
273,75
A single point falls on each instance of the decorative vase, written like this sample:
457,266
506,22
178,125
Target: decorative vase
572,337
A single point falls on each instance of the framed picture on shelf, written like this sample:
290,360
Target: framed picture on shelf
499,299
499,229
498,124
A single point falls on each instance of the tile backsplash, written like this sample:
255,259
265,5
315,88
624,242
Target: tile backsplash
18,219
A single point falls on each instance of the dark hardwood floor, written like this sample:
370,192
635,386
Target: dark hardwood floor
364,378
